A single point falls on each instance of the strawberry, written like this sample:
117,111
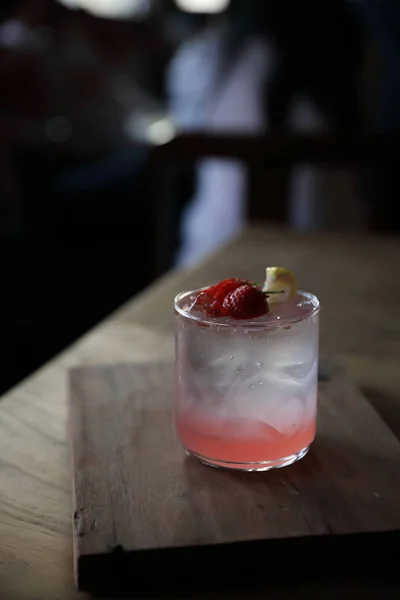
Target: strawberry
202,299
215,309
211,300
208,304
225,287
245,302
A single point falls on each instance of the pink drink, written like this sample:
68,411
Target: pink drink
247,390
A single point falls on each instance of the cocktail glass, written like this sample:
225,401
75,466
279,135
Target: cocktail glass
247,390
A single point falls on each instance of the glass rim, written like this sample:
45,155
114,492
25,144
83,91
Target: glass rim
249,324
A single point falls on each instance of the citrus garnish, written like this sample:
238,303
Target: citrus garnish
280,284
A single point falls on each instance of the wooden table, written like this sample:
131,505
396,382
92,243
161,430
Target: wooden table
357,281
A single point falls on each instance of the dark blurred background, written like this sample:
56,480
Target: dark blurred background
90,87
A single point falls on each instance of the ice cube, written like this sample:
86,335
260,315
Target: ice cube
209,363
294,351
286,417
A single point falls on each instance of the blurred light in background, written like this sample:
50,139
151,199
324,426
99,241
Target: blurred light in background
120,9
155,129
161,132
203,6
69,3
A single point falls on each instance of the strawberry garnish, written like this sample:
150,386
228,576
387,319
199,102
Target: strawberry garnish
233,298
212,306
225,287
208,304
211,300
245,302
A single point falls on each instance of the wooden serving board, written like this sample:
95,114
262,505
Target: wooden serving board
148,517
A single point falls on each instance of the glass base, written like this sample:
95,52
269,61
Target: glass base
262,465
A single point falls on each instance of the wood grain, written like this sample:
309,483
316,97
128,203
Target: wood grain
139,500
358,325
